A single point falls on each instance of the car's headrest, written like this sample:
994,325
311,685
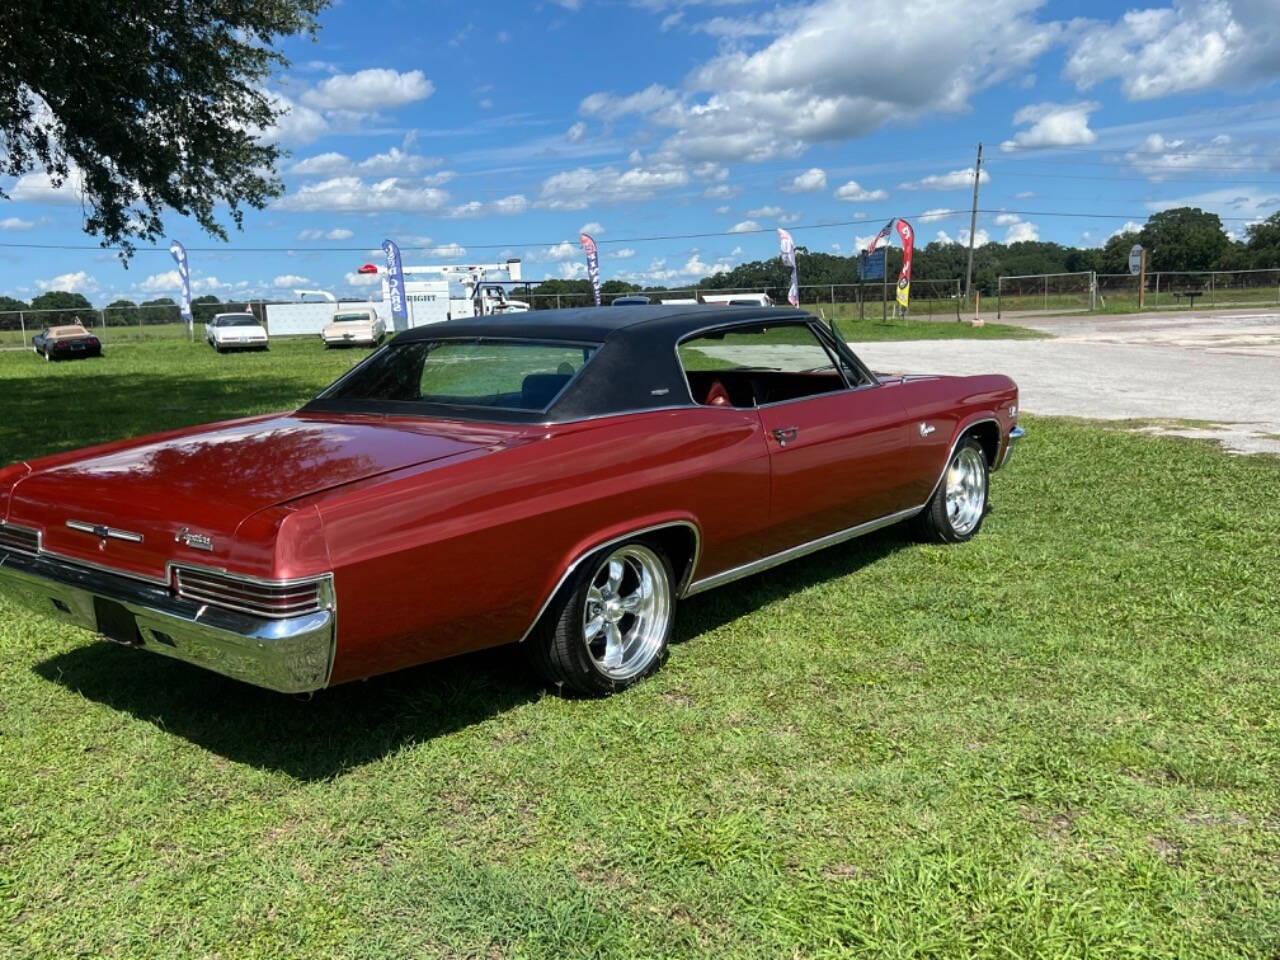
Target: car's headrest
717,395
539,389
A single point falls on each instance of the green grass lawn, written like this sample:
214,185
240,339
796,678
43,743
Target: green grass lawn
1059,740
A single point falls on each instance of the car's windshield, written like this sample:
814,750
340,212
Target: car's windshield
237,320
502,374
351,318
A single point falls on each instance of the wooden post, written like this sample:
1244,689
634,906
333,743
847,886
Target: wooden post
22,322
1142,279
884,290
973,225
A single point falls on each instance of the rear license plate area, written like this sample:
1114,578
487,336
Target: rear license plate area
115,622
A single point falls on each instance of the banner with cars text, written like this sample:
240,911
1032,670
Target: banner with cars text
789,258
179,253
395,281
593,263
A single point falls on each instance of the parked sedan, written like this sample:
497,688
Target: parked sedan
561,483
66,342
351,328
235,331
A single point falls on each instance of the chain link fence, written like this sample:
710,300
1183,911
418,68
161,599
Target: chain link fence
1118,292
930,299
116,324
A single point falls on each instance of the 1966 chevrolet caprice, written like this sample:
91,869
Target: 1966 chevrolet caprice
558,479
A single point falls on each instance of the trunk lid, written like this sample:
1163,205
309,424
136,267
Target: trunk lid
212,479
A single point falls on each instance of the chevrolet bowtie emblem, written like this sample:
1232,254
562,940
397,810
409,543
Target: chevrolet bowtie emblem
104,533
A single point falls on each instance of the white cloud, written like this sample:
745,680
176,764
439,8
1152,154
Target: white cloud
362,279
1130,226
1052,125
770,212
723,209
980,239
355,195
1025,195
368,91
595,228
289,280
573,270
1242,202
165,282
855,193
506,206
746,226
937,213
296,124
955,180
624,253
610,106
564,250
322,164
834,70
710,170
1189,45
790,218
721,191
78,282
578,189
1162,159
337,233
446,251
576,132
395,162
39,188
16,223
812,179
1020,231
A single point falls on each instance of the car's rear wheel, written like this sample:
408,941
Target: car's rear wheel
610,624
959,504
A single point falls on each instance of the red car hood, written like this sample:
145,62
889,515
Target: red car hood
212,479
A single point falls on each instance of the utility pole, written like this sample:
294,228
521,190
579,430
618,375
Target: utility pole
973,225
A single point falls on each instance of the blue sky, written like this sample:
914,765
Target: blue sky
504,131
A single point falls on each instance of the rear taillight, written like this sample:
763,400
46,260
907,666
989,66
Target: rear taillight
60,345
21,539
275,599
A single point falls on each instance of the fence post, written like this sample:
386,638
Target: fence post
1156,301
1212,276
1093,290
999,296
1046,293
103,315
957,299
557,301
22,322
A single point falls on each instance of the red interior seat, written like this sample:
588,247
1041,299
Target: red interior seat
717,395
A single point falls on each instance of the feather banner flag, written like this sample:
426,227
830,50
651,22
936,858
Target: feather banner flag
179,253
593,263
907,235
395,281
789,258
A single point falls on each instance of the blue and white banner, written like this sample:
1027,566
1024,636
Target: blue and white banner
184,271
395,281
789,258
593,263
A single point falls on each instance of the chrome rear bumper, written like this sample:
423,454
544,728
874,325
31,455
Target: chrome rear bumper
293,655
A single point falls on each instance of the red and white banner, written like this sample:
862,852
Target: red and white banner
908,236
789,258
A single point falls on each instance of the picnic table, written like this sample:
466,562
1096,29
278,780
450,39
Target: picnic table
1190,295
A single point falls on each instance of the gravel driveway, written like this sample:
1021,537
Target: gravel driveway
1224,369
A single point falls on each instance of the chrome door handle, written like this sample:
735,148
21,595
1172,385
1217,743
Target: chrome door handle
785,435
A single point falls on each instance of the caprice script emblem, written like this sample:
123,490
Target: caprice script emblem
196,541
104,533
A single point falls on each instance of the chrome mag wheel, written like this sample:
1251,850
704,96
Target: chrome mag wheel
627,612
966,490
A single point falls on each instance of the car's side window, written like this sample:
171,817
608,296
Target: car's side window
759,364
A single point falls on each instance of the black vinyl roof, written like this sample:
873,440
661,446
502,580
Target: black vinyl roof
634,368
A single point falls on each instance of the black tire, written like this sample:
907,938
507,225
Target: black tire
936,523
559,648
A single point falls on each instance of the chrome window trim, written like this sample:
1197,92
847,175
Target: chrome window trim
679,588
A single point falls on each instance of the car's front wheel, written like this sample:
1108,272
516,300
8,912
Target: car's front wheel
959,504
609,626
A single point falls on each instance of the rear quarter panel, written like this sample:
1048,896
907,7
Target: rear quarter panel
434,562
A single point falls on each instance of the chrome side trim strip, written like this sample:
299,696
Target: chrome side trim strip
697,555
794,553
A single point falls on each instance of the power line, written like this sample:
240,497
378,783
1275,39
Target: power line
925,216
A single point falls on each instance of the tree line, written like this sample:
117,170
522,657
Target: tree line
61,306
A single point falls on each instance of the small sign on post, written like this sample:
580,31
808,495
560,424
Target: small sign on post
1135,259
1138,267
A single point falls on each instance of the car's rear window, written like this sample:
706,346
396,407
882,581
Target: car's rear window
351,317
237,320
500,374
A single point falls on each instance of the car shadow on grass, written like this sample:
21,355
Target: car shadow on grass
350,725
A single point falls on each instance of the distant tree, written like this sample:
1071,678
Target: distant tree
146,105
160,310
204,307
1115,252
10,310
1184,238
1263,242
68,307
120,313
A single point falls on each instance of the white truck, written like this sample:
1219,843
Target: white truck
450,292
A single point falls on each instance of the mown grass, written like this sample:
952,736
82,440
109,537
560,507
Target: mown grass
1059,740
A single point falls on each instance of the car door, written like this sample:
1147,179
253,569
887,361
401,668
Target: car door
837,438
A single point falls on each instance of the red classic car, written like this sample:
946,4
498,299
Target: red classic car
559,480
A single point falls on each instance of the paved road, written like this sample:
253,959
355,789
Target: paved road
1210,367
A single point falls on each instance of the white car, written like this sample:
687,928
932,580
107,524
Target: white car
235,331
356,327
